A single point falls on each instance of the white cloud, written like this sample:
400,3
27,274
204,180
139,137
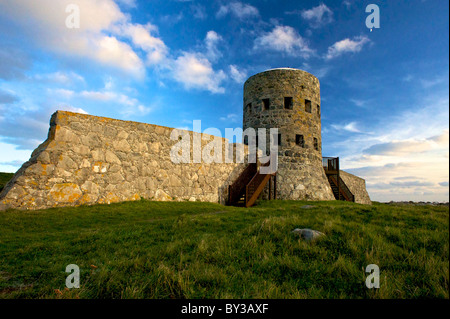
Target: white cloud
67,94
238,9
345,46
350,127
407,78
193,70
412,143
98,95
139,109
359,103
60,77
171,19
409,147
108,37
211,41
390,181
154,47
107,96
199,11
72,109
284,39
347,4
237,75
232,118
318,16
440,79
129,105
320,71
93,40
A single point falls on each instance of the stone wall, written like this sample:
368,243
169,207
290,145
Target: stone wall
300,172
357,186
88,159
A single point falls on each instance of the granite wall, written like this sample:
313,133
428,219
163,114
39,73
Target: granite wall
357,186
88,159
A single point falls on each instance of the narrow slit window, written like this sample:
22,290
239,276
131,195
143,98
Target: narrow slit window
249,107
279,139
318,110
266,104
308,106
288,104
300,140
316,144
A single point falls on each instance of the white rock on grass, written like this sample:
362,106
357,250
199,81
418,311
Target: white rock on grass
308,234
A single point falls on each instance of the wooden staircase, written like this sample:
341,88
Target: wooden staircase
338,186
249,185
341,191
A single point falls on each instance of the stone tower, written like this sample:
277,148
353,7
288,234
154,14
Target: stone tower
289,99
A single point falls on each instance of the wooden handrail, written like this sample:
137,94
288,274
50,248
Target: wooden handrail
235,190
255,187
343,189
250,184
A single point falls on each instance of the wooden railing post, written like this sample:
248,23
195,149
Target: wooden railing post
246,195
338,177
275,187
270,188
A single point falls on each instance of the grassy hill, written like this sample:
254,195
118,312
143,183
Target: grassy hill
150,249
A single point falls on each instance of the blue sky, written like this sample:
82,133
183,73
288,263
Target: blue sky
385,96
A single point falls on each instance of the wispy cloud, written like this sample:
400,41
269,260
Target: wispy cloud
406,147
427,83
284,39
318,16
346,46
347,4
129,105
359,102
238,9
140,35
195,71
13,64
172,19
7,97
199,11
60,77
212,40
237,75
320,70
66,94
349,127
405,157
232,118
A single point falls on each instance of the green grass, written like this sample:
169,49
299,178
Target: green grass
150,249
4,178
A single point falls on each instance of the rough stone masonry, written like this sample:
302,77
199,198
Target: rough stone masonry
88,159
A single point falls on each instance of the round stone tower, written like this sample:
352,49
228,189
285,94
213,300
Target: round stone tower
289,99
